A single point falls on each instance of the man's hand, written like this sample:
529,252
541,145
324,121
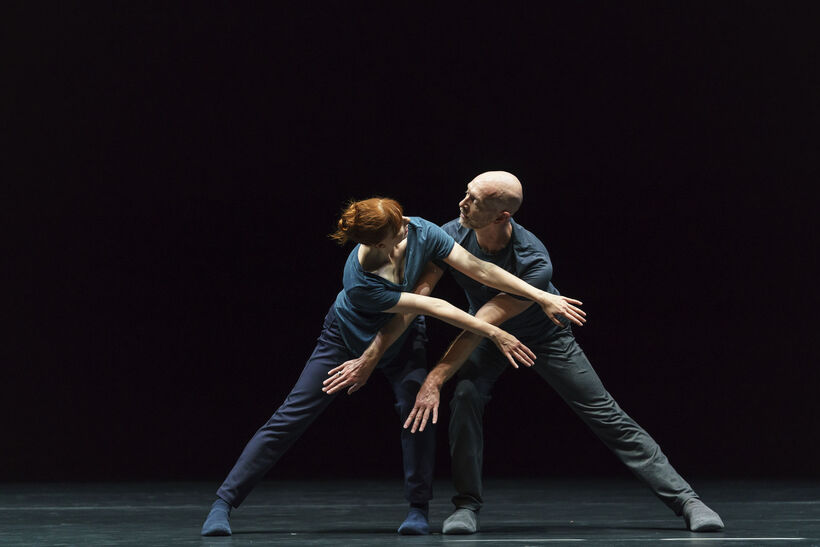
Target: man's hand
427,401
353,373
554,305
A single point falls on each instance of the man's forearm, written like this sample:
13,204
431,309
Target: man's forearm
389,334
453,358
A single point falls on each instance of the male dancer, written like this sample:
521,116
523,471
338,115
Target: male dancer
485,228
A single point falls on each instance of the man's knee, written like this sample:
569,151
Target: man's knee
466,394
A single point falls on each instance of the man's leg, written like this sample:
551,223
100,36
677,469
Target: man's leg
406,373
302,406
472,393
562,363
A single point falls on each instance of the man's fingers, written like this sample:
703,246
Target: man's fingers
354,387
416,421
410,418
435,414
337,369
424,419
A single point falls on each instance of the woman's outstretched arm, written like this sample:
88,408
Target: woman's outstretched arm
493,276
508,344
354,374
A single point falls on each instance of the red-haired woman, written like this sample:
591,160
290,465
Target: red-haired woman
381,278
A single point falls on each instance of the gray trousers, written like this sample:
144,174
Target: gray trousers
562,363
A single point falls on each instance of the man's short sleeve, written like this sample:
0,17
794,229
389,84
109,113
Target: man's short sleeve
537,272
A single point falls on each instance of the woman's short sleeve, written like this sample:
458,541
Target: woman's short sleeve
373,297
438,243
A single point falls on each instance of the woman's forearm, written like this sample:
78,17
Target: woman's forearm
500,279
443,310
491,275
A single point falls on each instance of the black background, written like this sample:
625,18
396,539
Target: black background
173,172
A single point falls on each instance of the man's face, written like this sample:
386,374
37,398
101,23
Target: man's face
476,213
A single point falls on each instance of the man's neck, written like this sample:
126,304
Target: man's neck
494,237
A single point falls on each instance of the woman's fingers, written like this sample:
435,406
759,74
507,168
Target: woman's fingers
529,352
527,359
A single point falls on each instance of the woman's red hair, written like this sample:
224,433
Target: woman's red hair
369,221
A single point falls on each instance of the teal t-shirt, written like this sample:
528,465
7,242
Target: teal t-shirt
361,303
525,257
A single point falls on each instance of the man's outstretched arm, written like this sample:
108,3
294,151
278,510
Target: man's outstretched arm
354,373
496,311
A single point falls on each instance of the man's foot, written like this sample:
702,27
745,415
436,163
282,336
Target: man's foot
700,518
462,521
217,523
416,522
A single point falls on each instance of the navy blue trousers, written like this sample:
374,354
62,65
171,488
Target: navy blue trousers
405,372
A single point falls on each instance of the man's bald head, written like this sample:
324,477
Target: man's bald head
500,190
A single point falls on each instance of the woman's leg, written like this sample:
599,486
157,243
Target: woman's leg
406,372
303,405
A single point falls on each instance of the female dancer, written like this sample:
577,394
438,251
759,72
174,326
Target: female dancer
379,275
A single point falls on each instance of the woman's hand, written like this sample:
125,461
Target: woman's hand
510,346
555,305
353,373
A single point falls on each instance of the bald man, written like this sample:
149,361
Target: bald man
485,228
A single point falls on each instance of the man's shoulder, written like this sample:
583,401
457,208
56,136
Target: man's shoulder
526,241
455,229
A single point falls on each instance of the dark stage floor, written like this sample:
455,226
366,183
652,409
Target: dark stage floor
517,512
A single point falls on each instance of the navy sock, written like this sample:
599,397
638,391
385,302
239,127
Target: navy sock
218,522
416,522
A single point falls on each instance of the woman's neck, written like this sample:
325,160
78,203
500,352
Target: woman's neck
374,258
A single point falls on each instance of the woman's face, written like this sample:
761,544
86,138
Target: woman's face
391,242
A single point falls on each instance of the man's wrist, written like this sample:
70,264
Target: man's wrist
436,380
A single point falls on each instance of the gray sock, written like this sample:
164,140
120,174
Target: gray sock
462,521
700,518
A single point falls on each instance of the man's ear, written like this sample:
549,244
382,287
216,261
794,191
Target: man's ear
503,216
